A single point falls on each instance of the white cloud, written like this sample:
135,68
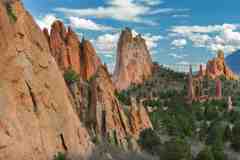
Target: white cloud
123,10
183,63
116,9
200,40
168,10
224,37
46,21
185,30
152,40
81,23
177,56
152,2
107,43
180,16
179,43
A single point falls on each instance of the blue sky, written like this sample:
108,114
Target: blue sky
177,31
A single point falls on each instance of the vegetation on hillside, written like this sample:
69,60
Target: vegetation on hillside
10,11
202,130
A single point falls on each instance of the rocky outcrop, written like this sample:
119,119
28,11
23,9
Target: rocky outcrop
36,117
108,117
65,47
218,89
69,52
89,60
139,118
134,64
217,67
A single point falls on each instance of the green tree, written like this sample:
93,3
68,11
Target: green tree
71,76
60,156
149,141
235,140
176,149
205,154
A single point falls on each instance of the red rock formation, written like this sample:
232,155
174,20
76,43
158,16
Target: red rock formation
139,118
218,89
217,67
37,119
107,116
58,45
201,71
73,50
65,47
45,32
89,60
70,52
134,64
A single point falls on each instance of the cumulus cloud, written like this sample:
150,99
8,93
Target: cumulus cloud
107,43
123,10
179,43
177,56
46,21
152,40
185,30
224,37
81,23
116,9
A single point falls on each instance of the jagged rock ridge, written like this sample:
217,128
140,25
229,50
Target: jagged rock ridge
69,52
134,64
36,117
95,101
108,116
217,67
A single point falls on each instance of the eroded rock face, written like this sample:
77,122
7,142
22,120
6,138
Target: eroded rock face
107,117
217,67
36,117
139,118
134,64
89,60
69,52
65,47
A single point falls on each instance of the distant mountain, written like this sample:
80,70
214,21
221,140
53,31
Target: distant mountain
233,61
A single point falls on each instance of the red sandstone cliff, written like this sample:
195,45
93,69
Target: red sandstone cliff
107,115
96,103
217,67
89,60
69,52
139,118
134,64
37,119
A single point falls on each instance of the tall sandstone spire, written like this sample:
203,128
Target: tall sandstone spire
36,116
134,64
89,60
107,116
218,89
69,52
191,92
